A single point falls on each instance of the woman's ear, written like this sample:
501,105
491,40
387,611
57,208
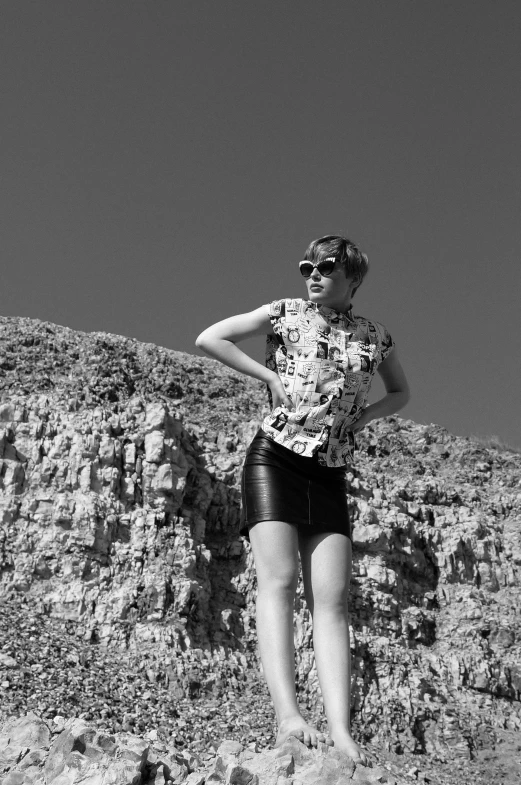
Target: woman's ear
357,280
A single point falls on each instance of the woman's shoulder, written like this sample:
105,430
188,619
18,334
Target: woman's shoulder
295,301
377,334
286,305
371,324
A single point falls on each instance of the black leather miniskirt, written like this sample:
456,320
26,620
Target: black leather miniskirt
279,485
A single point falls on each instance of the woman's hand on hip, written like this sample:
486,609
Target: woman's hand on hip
279,394
364,419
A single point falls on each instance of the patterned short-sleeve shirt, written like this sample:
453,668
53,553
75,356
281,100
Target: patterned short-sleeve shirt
326,361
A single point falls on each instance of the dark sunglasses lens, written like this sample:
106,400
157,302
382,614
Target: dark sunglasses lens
306,269
326,266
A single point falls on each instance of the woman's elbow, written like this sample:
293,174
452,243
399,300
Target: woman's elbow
406,395
402,395
208,342
203,340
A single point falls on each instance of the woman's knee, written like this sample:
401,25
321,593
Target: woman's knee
281,579
332,596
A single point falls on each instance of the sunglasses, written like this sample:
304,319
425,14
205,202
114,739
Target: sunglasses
324,267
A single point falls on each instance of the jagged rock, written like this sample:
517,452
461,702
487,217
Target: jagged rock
119,510
24,743
80,753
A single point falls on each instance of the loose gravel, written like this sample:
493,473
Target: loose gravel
47,668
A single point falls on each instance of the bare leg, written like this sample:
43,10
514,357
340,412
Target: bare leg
275,550
326,566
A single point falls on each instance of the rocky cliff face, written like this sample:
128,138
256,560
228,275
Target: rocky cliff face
119,479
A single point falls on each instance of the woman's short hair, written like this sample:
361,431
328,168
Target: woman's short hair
355,262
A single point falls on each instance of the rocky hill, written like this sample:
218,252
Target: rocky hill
119,481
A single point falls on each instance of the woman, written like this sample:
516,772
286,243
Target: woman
320,360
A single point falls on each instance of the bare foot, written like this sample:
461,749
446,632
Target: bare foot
344,742
305,733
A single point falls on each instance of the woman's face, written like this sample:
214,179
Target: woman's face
334,290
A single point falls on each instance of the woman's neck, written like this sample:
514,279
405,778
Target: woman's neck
341,307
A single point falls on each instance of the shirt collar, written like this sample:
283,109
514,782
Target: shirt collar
331,312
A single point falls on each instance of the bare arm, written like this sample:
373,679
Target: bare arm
220,339
396,387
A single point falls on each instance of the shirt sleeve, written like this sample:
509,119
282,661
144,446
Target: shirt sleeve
277,313
386,343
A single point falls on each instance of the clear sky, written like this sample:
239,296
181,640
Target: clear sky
165,165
